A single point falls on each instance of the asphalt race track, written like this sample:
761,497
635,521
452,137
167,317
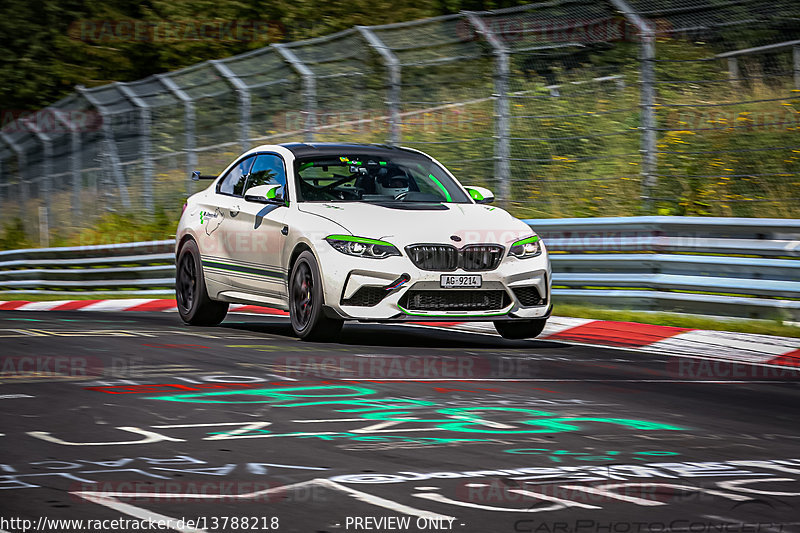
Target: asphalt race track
394,428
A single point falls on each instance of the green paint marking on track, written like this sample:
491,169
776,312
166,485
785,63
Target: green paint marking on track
272,395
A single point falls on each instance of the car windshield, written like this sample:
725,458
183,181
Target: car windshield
377,179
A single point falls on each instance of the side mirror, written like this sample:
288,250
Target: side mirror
265,194
481,195
196,176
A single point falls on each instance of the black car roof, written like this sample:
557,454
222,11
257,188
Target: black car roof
337,149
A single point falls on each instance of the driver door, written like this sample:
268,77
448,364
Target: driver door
257,238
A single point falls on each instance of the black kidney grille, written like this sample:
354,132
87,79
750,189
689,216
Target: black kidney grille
481,257
443,257
453,300
367,297
529,296
433,256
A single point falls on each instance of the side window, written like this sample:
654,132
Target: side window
267,170
234,182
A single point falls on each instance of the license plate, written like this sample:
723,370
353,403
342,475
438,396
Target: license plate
449,281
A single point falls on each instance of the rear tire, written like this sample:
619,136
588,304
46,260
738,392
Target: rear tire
306,302
194,305
520,329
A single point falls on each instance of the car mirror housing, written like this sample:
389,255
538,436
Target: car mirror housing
197,176
481,195
265,194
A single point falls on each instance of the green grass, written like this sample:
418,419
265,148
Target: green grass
682,320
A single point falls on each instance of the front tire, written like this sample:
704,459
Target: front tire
306,301
520,329
194,305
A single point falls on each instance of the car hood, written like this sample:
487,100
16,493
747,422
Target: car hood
406,224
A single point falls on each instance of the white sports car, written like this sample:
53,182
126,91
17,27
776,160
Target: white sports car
335,232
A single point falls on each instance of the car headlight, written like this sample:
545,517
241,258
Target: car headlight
525,248
362,247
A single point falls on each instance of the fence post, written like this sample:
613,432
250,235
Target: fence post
393,68
733,69
45,190
309,88
188,126
648,99
145,142
22,165
112,154
75,162
243,93
502,149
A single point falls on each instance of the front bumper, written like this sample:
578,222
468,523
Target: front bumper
343,276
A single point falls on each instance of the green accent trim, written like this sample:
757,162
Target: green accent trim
444,190
411,313
535,238
272,193
474,194
382,163
362,240
244,269
305,166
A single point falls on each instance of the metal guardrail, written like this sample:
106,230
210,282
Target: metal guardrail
740,267
719,266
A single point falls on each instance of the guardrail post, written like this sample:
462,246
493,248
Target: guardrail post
189,121
145,143
22,165
75,162
243,93
796,57
502,147
309,88
648,99
394,71
45,190
112,155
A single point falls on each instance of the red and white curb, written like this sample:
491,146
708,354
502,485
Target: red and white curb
723,345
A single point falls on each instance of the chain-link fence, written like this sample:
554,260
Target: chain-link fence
563,108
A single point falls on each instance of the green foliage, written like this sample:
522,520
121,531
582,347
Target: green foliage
113,228
49,46
13,236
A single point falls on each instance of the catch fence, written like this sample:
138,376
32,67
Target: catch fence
563,108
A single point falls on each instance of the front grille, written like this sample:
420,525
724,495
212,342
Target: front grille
453,300
367,297
433,256
481,257
529,296
446,258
